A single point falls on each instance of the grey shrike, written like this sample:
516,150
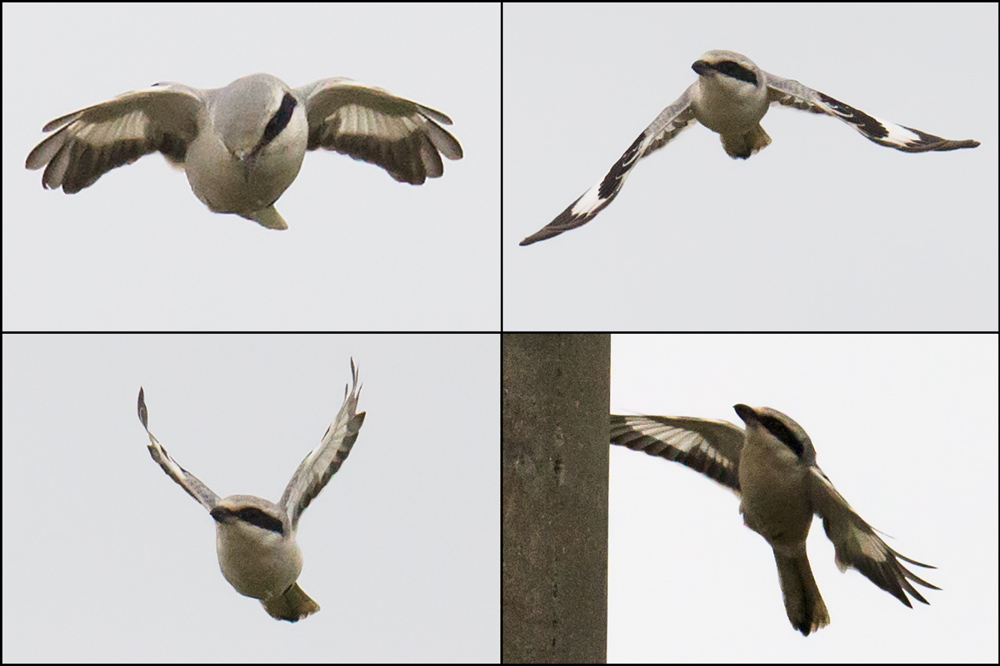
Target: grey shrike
772,467
730,97
241,146
255,538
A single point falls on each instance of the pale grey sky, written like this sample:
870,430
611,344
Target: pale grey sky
906,428
821,230
105,558
137,250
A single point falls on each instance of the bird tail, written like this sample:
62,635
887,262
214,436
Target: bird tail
293,604
803,603
744,145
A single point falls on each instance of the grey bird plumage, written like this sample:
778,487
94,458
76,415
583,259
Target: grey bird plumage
242,145
772,466
730,97
255,538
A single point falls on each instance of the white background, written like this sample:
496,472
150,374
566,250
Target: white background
105,558
904,426
137,250
821,230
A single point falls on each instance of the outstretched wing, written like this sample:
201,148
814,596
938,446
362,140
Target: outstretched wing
323,462
792,93
671,121
706,446
189,482
90,142
373,125
857,545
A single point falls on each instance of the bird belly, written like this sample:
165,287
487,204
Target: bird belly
774,500
256,567
227,183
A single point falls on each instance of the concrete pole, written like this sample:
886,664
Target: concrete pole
554,461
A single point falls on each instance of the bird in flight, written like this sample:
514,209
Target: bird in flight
255,538
772,467
241,146
730,97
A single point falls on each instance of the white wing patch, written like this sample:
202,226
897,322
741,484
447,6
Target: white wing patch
90,142
724,103
373,125
857,545
671,121
706,446
792,93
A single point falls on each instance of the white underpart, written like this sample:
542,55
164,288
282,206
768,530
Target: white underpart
726,101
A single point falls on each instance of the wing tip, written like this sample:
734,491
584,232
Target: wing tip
141,409
355,389
566,221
